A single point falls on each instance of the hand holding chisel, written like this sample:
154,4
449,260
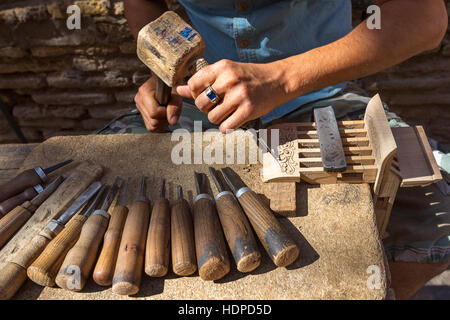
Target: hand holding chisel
130,261
212,256
82,255
26,179
106,263
157,250
281,248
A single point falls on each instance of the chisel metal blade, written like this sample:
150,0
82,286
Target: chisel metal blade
44,194
233,180
331,149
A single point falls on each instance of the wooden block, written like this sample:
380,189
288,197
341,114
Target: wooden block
416,162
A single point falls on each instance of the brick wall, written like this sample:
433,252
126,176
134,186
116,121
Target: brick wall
57,81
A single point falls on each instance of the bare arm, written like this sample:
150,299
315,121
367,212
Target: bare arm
141,12
249,91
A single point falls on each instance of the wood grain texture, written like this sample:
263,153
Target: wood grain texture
27,244
19,183
169,60
157,250
182,239
44,269
415,158
281,248
83,254
130,259
238,233
106,263
9,204
13,221
210,247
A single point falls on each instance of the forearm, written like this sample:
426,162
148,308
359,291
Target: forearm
141,12
407,28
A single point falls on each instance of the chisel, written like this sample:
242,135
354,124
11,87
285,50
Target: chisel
130,260
29,193
18,216
281,248
210,247
106,263
44,269
236,227
182,237
82,255
157,250
26,179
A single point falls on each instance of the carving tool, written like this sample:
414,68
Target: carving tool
281,248
44,269
331,149
182,237
130,260
29,193
172,49
15,219
212,256
106,263
26,179
236,227
157,251
82,255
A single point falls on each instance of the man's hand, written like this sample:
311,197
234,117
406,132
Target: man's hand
247,91
157,117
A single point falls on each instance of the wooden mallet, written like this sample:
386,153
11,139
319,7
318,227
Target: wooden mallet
172,49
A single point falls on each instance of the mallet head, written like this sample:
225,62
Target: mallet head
169,47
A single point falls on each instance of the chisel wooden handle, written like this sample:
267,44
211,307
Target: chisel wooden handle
83,253
9,204
130,260
157,252
14,272
44,269
19,183
281,248
212,256
13,221
182,239
238,232
106,263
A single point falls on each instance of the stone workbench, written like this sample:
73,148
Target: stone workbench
335,226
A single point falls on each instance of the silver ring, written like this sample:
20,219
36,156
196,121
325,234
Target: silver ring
212,95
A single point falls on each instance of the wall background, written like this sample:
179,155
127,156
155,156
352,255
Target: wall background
57,81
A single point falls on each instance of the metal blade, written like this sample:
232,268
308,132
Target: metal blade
43,195
112,194
201,183
123,196
57,166
219,180
233,180
79,202
92,206
163,189
333,156
180,192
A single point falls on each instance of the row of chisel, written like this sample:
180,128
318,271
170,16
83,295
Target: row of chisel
21,196
116,248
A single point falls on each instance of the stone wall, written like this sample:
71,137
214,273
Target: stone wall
57,81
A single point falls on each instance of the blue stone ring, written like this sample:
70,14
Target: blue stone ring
212,95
